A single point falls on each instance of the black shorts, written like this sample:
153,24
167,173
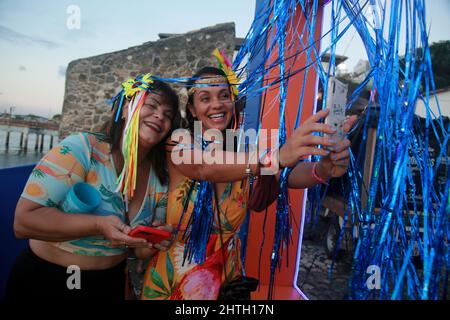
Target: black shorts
34,278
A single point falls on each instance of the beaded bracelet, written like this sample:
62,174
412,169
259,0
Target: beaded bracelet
248,170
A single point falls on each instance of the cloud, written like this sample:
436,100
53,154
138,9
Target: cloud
86,32
20,38
22,68
62,71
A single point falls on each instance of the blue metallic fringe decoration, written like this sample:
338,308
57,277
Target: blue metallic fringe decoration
201,220
405,214
200,223
393,223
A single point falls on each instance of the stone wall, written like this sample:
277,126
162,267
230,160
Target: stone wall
90,82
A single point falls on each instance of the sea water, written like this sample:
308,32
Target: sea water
14,156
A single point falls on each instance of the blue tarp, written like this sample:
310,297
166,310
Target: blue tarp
12,181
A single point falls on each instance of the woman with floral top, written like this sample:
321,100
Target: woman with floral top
171,275
94,242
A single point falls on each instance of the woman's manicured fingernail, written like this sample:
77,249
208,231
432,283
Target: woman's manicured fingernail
334,157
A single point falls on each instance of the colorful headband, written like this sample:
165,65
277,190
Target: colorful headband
208,82
136,91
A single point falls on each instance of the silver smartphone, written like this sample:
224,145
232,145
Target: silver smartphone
336,101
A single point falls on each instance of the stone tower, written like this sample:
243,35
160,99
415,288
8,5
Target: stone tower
90,82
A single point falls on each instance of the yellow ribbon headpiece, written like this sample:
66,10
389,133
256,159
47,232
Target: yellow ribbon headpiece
135,90
132,86
227,68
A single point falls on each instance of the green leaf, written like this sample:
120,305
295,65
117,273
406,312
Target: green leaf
94,161
227,224
233,269
37,173
162,203
100,137
157,280
113,198
152,294
193,195
182,194
226,192
87,253
64,150
169,267
106,192
51,203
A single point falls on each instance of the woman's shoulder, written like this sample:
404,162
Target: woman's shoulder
98,141
84,143
96,137
91,137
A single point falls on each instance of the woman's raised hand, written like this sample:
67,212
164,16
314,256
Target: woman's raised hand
302,143
336,163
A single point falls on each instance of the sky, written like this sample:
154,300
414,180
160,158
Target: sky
351,46
36,43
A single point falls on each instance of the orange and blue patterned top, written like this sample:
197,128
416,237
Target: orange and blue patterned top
167,277
86,157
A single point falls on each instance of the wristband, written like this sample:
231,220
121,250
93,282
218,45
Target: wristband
316,176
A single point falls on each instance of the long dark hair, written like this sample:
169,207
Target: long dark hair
157,156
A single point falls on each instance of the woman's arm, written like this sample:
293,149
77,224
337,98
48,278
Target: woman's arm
231,166
223,171
301,176
49,224
334,165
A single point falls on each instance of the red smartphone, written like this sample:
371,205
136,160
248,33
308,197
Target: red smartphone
152,235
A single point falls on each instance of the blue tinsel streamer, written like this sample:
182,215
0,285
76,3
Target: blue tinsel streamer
201,220
393,223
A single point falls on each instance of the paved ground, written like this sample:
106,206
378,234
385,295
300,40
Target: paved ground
314,275
315,279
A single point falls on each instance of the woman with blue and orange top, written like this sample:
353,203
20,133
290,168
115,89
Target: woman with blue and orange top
211,102
131,146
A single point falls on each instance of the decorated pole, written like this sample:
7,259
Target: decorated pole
264,111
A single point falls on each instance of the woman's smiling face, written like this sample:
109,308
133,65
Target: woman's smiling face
155,120
213,105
